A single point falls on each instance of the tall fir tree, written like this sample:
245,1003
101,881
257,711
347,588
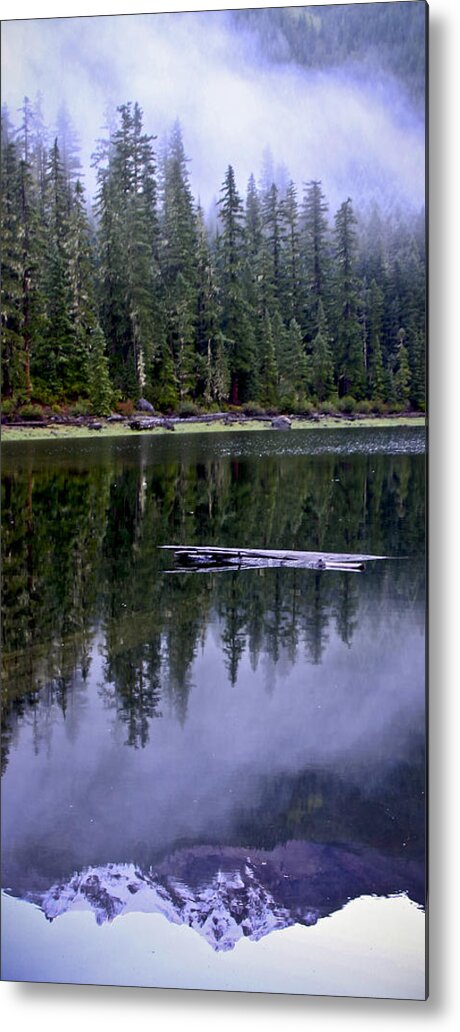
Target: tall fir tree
348,338
11,265
235,320
321,367
178,261
315,255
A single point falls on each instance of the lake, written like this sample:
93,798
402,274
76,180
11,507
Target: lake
215,779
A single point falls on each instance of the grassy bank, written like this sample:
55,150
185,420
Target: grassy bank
44,433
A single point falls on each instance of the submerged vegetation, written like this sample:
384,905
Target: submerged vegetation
272,305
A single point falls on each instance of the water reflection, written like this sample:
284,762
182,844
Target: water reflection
157,728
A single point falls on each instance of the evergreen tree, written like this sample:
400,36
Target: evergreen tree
55,360
128,243
321,363
69,148
99,387
269,371
83,309
402,373
235,321
271,251
11,265
375,366
292,361
418,377
207,321
291,282
377,372
178,260
348,339
315,254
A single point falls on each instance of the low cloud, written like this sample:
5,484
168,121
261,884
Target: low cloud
358,134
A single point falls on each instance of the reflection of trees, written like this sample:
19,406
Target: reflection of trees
80,552
387,812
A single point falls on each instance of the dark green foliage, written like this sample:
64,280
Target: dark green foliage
268,370
321,372
128,252
315,258
99,388
11,267
235,321
347,331
402,374
279,307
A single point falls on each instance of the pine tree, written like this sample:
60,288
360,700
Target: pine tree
377,372
83,309
270,284
418,378
54,362
69,148
291,283
235,321
375,365
128,244
321,367
402,373
292,363
11,266
315,255
178,261
207,320
269,371
221,372
99,387
348,339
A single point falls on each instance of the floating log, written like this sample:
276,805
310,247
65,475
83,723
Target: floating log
208,557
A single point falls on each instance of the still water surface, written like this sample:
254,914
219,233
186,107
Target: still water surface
236,753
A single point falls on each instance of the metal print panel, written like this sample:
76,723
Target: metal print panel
213,500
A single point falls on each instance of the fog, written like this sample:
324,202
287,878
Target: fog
358,134
87,797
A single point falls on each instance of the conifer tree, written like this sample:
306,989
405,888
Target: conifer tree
268,371
402,373
235,321
178,259
11,265
55,360
315,254
69,148
321,363
207,320
291,283
83,309
348,340
128,251
271,251
100,391
375,364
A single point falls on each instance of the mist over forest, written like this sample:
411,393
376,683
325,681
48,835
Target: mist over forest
336,93
214,208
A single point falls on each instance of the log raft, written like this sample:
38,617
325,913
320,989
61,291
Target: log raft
218,559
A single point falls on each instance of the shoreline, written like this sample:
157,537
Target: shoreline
47,432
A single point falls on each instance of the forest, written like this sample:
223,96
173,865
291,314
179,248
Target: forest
272,304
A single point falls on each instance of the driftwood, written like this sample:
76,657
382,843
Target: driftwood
218,559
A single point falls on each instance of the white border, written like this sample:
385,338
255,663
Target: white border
50,1008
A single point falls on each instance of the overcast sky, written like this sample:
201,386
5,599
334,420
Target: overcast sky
359,136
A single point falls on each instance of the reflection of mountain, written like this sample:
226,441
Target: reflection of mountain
230,893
